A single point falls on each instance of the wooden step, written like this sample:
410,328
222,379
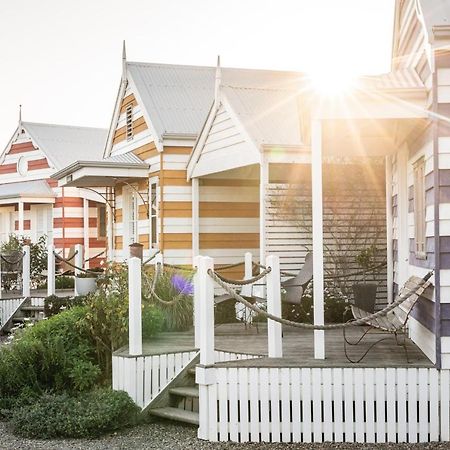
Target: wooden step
185,391
33,308
179,415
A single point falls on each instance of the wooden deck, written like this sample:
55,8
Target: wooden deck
297,348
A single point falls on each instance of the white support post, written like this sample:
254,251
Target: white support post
389,222
1,287
86,230
21,218
50,270
26,278
110,225
242,312
78,261
402,217
274,329
205,374
195,218
135,307
317,222
263,182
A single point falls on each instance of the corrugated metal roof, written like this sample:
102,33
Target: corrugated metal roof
127,158
270,116
65,144
399,79
35,188
178,98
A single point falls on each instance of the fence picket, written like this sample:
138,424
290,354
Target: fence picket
316,382
296,405
369,394
423,405
338,407
327,405
359,404
264,396
243,404
275,404
139,366
285,395
401,404
445,404
147,380
412,405
391,397
233,403
223,403
253,375
348,405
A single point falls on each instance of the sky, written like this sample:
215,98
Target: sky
61,59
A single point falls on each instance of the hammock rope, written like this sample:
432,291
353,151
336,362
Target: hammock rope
361,321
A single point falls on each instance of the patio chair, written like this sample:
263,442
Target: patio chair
395,321
295,287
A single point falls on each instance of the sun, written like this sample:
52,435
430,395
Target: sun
332,82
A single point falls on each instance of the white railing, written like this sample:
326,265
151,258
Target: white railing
26,272
364,405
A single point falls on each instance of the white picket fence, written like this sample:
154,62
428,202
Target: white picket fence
8,308
365,405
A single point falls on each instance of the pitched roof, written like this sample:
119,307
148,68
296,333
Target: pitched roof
177,98
64,144
35,188
270,116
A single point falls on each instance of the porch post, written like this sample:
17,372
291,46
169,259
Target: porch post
274,329
195,218
389,247
50,270
317,222
26,271
135,307
21,218
263,182
110,225
86,231
402,217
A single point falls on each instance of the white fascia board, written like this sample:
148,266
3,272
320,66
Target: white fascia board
114,119
26,199
157,139
8,146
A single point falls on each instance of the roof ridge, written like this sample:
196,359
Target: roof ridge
259,88
57,125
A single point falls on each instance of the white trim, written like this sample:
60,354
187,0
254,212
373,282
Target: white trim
263,183
86,230
389,230
402,217
195,218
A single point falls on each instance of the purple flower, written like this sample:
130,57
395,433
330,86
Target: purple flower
182,285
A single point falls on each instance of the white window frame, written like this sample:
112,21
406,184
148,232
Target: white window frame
35,210
419,208
99,235
153,208
130,216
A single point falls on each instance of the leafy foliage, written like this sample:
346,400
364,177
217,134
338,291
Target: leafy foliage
38,255
54,304
89,414
55,354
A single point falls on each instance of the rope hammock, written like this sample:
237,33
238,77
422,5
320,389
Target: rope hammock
361,321
67,261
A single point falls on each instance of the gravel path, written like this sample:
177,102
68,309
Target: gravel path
170,436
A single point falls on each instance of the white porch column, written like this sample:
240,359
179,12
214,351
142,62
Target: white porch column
195,218
86,231
26,271
263,182
135,308
50,270
402,217
110,225
274,329
78,261
21,218
389,246
317,222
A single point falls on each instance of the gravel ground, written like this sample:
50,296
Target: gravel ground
164,435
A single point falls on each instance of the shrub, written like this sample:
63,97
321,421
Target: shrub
178,315
335,305
64,282
54,354
152,321
54,304
87,415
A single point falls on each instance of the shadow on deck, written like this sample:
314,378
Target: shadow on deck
298,348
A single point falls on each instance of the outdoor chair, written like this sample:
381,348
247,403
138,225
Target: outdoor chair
295,287
394,322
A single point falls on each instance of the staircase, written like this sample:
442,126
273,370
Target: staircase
179,400
29,310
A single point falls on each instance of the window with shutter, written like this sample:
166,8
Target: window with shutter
129,122
419,209
154,213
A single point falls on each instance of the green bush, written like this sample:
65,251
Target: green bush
54,304
86,415
55,354
152,321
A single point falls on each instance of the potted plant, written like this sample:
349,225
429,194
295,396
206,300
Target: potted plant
365,293
86,282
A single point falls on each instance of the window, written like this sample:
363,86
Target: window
153,213
101,221
419,208
129,124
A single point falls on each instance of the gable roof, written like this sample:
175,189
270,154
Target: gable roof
177,98
436,13
34,188
270,116
64,144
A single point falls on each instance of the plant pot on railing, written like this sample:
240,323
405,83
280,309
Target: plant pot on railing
86,282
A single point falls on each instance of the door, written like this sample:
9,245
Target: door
42,222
